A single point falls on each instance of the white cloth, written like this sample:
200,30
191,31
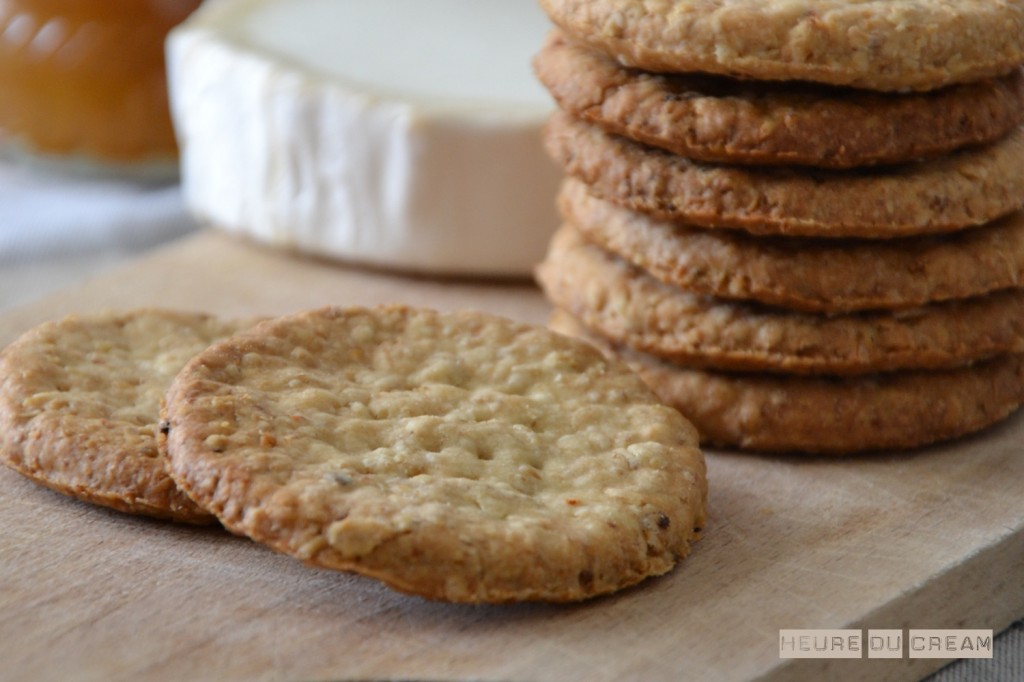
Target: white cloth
57,229
45,215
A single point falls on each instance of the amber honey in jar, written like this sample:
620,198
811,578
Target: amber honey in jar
84,81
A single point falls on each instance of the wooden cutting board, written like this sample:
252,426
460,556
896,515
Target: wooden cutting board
933,539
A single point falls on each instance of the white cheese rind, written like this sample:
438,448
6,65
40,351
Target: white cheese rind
301,160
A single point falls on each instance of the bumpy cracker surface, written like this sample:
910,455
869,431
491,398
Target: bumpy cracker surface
80,405
830,416
631,308
876,44
750,122
964,189
816,275
455,456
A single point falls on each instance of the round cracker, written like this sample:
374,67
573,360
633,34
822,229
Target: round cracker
800,273
964,189
773,413
875,44
633,309
455,456
714,119
80,405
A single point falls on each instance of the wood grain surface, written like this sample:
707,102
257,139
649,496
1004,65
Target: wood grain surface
931,539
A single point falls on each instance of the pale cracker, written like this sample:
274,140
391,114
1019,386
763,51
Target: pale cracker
825,415
633,309
803,273
964,189
80,405
875,44
455,456
715,119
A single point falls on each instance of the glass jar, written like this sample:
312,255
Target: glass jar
83,81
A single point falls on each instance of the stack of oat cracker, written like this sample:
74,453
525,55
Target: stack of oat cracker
800,221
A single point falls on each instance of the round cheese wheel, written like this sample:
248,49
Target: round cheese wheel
396,133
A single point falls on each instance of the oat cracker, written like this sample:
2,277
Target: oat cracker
715,119
828,415
964,189
814,275
80,405
875,44
456,456
631,308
